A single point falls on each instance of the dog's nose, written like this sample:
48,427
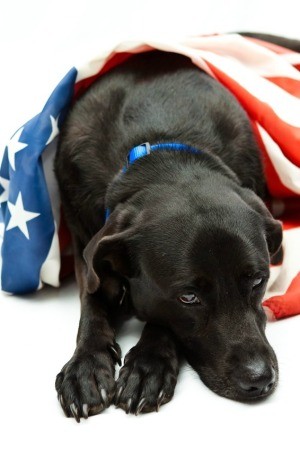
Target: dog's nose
256,379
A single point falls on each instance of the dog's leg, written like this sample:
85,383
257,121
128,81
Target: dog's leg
86,384
149,375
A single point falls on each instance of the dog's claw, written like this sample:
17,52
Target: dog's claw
160,399
74,412
115,354
61,401
85,411
118,395
140,406
128,406
104,398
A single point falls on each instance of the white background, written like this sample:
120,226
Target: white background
39,42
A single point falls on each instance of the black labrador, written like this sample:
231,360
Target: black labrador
187,243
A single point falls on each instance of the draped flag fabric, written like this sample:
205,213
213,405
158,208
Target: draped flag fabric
265,79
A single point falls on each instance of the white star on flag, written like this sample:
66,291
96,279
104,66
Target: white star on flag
4,184
55,130
14,146
20,216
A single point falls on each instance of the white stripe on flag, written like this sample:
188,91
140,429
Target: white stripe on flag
289,174
51,267
282,275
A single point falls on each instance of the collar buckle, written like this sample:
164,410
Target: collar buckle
139,151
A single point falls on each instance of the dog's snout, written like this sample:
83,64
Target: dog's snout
256,379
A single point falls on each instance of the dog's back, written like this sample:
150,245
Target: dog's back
155,97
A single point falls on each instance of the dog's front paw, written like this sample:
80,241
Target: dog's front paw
86,384
146,381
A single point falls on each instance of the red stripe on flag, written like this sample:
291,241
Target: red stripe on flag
290,216
286,136
275,186
116,59
290,85
288,304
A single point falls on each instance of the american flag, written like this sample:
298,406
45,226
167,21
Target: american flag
264,77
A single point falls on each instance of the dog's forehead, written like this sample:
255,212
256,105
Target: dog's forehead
184,246
236,249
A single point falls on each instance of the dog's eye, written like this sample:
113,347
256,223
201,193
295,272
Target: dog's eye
189,298
257,282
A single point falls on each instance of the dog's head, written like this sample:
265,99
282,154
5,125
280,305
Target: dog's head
198,263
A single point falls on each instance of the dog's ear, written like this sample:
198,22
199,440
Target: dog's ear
273,228
110,244
274,239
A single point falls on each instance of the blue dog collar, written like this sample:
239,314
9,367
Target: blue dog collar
145,148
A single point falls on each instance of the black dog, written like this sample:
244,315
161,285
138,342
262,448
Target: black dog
186,247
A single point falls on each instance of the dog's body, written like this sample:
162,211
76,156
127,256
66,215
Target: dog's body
187,245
